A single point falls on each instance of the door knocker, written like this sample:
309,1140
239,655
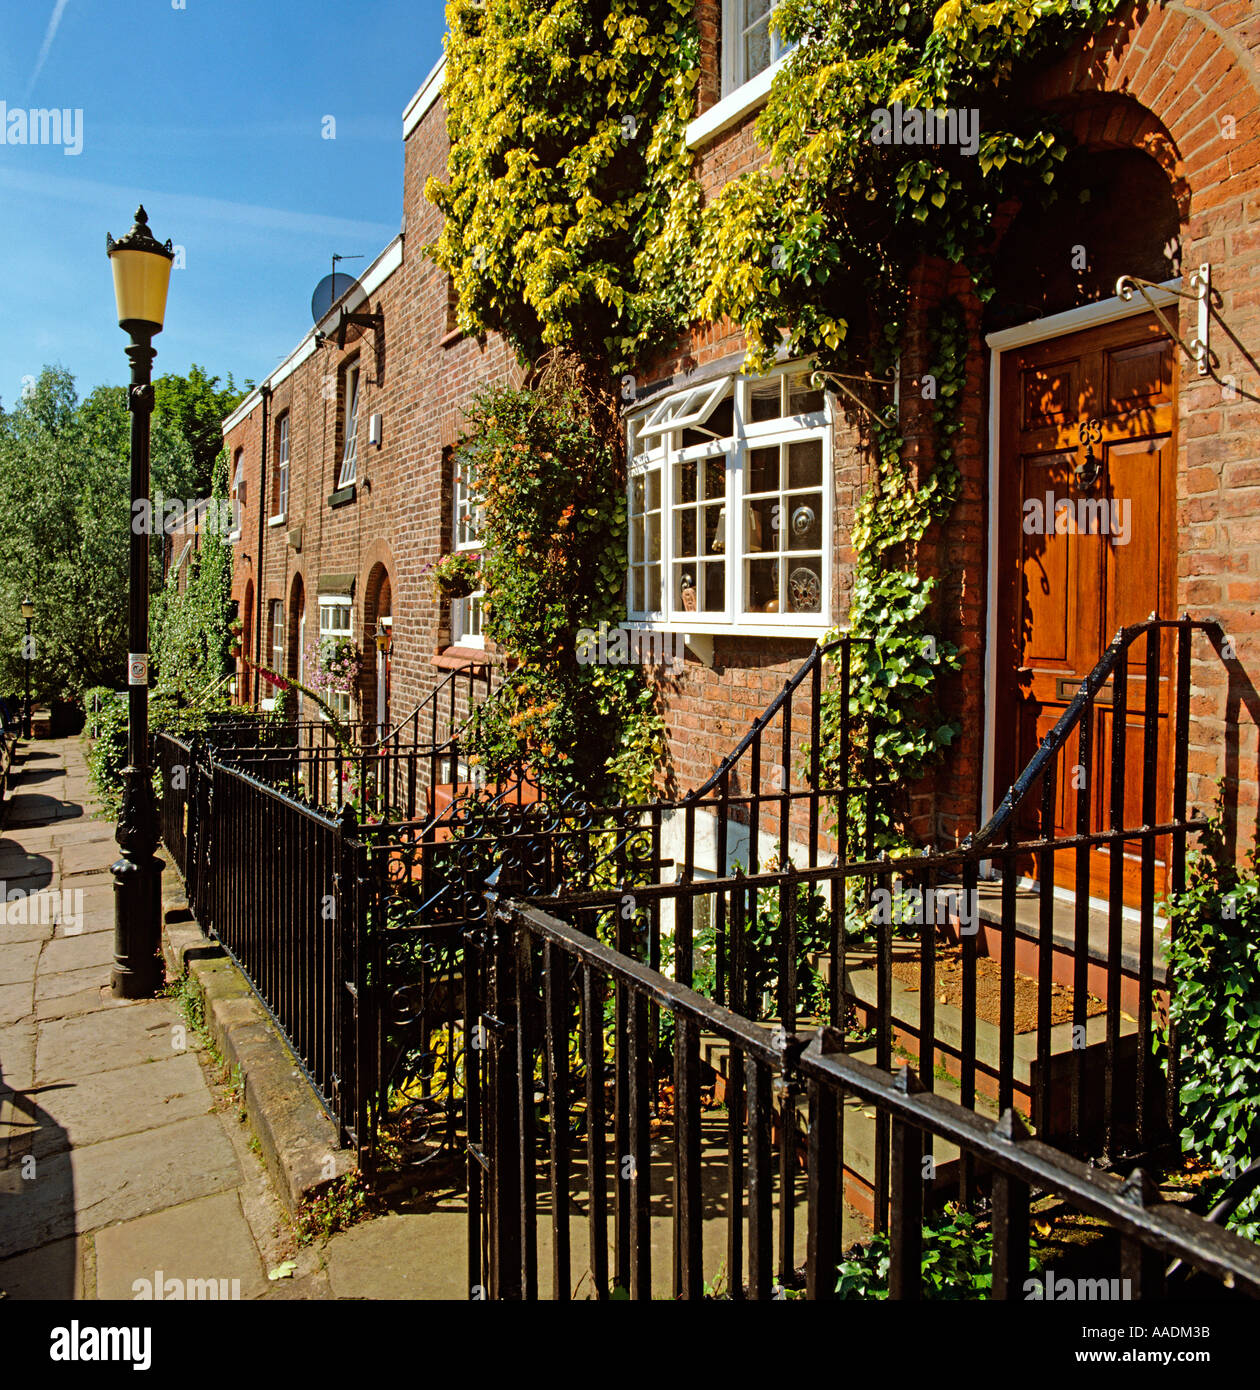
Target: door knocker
1090,431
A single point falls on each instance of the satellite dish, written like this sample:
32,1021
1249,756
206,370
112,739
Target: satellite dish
337,304
329,290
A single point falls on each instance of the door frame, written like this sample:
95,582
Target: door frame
1022,335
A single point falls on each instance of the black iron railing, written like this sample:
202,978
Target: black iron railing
752,891
555,1001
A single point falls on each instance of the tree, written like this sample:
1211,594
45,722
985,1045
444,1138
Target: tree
65,496
196,405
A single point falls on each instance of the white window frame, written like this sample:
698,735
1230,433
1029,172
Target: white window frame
238,495
282,470
682,410
350,448
326,603
278,646
666,453
734,29
466,615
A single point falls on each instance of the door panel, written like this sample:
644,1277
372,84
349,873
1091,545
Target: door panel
1086,510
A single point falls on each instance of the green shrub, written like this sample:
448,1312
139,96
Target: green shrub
1214,960
957,1261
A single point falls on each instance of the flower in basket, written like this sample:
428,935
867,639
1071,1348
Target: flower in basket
455,575
334,664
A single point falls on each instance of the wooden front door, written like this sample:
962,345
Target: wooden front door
1086,544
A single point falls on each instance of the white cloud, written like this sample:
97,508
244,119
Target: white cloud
46,47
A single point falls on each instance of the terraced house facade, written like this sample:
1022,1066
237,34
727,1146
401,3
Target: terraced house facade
1108,449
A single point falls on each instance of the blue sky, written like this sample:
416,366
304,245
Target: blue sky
211,115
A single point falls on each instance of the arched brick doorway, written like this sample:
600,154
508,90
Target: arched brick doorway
378,634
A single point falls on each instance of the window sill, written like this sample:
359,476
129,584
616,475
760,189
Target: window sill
456,335
342,496
732,108
454,658
277,520
810,629
233,537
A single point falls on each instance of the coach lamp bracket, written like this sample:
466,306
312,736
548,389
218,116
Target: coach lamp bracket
1198,350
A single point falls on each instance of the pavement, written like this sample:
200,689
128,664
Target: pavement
125,1162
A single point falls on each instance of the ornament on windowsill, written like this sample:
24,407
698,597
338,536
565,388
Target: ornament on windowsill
688,593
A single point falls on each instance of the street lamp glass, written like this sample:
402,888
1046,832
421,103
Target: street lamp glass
142,275
28,607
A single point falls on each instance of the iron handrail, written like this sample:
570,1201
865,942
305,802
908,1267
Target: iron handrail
1069,720
766,717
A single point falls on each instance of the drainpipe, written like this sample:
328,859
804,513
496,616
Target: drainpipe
265,392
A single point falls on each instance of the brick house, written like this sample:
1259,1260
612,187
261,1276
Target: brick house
1062,375
341,462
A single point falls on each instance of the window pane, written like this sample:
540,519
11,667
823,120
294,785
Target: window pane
757,49
763,470
804,531
714,587
714,478
803,399
654,537
766,400
714,528
685,532
636,590
685,482
653,588
763,586
805,586
636,539
759,531
805,463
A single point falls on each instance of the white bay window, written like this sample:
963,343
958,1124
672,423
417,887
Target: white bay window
730,505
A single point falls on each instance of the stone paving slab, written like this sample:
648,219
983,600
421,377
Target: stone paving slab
85,857
16,1001
115,1181
17,962
37,808
202,1240
121,1037
67,982
75,953
24,931
17,864
53,1272
127,1101
412,1255
82,1001
17,1055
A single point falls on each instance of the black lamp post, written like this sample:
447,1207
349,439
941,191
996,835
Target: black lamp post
142,272
28,651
